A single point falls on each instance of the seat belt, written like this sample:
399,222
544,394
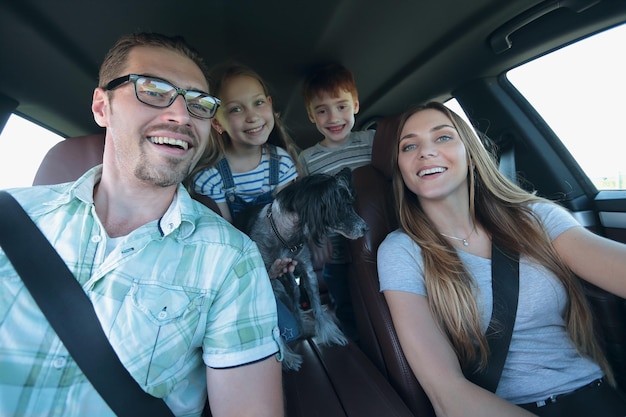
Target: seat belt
507,164
70,313
505,288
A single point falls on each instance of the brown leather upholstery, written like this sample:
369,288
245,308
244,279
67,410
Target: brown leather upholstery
375,204
69,159
339,381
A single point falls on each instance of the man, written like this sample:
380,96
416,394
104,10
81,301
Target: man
183,297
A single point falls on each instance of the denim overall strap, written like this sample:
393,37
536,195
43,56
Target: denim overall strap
227,179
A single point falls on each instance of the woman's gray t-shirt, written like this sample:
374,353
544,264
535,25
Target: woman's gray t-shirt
542,360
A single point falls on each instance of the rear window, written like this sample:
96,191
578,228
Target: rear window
580,91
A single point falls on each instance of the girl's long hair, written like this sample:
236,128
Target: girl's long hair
215,150
502,208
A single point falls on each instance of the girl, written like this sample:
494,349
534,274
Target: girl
435,274
256,157
250,158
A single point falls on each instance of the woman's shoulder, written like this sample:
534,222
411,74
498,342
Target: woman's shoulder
545,209
398,241
555,218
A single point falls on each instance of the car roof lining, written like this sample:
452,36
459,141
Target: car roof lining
389,73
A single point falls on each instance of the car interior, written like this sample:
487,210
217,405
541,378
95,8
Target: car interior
401,53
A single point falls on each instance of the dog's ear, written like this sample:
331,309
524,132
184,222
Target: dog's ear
345,177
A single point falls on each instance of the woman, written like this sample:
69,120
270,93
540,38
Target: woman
435,273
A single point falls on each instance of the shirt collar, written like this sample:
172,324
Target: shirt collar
180,215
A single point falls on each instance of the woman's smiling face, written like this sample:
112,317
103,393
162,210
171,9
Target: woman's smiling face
431,156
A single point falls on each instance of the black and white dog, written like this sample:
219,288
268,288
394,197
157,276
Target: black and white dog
304,213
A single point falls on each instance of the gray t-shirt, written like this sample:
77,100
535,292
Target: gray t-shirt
542,360
356,152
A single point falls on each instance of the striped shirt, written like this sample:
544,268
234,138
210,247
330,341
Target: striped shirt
174,296
353,154
249,184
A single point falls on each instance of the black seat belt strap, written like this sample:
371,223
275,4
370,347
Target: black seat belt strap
505,288
70,313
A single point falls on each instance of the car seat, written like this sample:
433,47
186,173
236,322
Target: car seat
375,204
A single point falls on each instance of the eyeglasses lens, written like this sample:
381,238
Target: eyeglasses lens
159,93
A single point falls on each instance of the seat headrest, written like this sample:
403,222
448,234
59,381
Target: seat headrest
385,145
69,159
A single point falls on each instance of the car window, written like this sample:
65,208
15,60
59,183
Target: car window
579,91
454,105
23,144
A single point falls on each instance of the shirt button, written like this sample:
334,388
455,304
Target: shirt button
162,315
96,238
59,362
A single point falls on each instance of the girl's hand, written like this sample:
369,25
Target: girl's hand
282,266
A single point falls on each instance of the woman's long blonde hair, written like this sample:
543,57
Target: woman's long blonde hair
502,208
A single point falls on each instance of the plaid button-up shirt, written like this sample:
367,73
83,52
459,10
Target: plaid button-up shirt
174,295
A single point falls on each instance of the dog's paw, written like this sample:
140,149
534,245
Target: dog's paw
327,333
291,361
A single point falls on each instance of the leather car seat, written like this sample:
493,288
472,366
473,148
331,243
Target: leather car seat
375,204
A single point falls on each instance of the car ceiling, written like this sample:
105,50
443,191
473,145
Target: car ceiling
401,51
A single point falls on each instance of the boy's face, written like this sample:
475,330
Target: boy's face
333,115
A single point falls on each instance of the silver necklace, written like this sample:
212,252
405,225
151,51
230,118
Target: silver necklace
460,239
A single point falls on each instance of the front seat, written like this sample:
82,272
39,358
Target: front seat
69,159
375,204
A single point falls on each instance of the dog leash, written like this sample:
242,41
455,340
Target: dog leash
293,249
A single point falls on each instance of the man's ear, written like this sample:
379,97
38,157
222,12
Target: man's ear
356,106
99,105
216,125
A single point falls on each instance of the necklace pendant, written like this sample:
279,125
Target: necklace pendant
465,242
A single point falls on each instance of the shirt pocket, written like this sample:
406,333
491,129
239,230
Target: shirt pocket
158,331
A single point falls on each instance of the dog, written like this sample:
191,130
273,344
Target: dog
302,214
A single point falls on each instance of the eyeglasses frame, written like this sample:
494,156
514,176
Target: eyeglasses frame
132,78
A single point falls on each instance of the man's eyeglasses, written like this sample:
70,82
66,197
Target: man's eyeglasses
160,93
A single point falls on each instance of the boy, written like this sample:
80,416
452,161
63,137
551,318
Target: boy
331,100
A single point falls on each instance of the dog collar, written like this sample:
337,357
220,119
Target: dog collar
293,249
